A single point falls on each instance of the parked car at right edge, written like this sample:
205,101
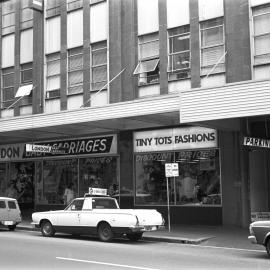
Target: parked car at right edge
260,234
10,214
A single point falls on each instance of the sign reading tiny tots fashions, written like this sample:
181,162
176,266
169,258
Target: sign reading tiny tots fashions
175,139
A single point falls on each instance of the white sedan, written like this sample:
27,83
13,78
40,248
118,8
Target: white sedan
98,215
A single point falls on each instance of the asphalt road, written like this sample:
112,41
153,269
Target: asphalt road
29,250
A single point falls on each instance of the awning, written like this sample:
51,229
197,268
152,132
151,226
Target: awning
24,90
146,66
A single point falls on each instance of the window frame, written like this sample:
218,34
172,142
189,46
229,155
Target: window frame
96,48
26,67
148,76
10,70
8,12
221,64
55,92
178,73
73,70
260,10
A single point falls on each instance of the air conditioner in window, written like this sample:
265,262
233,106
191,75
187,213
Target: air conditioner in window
143,78
53,94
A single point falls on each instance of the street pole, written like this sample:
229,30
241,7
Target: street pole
168,204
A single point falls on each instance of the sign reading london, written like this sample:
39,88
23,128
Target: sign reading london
175,139
249,141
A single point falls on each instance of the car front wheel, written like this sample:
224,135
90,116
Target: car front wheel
134,236
47,229
267,246
105,233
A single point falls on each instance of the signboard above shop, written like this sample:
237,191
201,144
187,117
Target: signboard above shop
175,139
71,147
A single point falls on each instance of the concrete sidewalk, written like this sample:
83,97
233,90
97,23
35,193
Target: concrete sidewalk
218,236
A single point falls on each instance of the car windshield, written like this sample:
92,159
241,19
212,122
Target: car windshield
104,203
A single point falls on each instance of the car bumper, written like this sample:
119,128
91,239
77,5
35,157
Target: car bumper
252,239
35,225
146,228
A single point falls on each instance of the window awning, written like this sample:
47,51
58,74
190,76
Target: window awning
24,90
146,66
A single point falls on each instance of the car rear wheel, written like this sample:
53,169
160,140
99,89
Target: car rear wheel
47,229
267,246
11,227
134,236
105,233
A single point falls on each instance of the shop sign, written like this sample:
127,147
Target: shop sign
11,152
83,146
256,216
175,139
171,169
249,141
38,148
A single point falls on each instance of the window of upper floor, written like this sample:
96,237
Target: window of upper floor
26,18
212,46
53,75
26,79
179,53
7,89
148,62
92,2
53,8
74,4
8,17
261,34
99,66
75,70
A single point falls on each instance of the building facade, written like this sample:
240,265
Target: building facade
105,93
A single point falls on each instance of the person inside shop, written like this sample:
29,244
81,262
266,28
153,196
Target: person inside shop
199,194
68,194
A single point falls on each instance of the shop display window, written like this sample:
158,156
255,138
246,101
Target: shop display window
57,176
21,182
98,172
198,182
3,179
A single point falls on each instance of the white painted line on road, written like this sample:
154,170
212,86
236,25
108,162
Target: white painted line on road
109,264
228,248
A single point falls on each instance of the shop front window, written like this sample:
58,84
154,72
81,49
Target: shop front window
21,183
198,182
3,179
57,176
151,187
98,172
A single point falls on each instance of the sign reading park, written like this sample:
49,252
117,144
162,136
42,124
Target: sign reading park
249,141
175,139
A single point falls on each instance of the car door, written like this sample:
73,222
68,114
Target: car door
3,210
13,211
88,219
68,220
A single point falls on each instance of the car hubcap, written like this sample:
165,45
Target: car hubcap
47,228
